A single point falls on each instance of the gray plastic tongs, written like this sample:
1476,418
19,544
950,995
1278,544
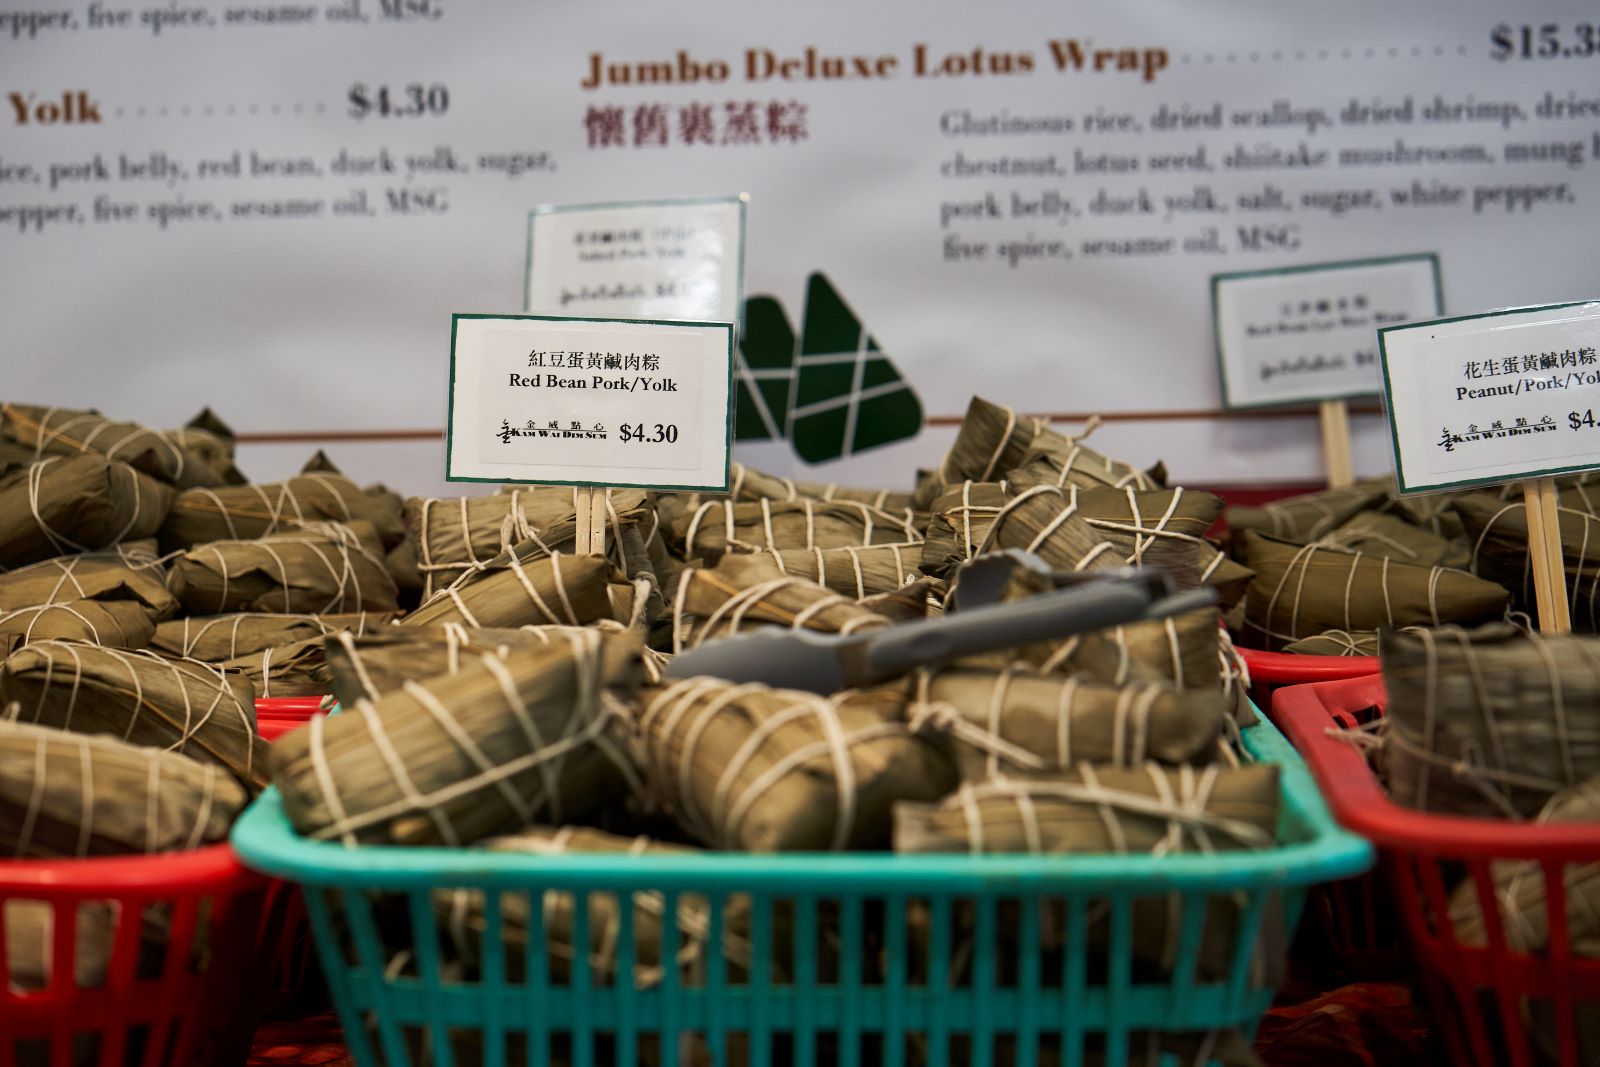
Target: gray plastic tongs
827,663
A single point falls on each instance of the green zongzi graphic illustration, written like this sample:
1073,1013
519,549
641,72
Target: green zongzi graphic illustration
831,391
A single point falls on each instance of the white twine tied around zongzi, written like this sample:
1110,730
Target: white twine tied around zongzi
819,557
186,672
1144,535
1299,568
733,611
1285,523
1490,781
1064,514
728,808
60,541
232,623
285,506
329,544
45,435
594,712
567,614
91,749
1186,820
37,615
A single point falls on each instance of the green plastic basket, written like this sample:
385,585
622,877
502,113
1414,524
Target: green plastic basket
961,1001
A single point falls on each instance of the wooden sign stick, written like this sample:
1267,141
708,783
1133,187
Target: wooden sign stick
599,506
591,503
1544,548
1336,444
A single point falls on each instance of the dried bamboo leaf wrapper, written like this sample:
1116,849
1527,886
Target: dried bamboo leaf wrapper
142,556
14,457
29,929
994,441
1491,721
322,570
1303,590
456,758
1309,516
1048,522
1189,650
1061,460
959,520
1498,534
182,706
112,623
63,432
990,441
638,602
1336,643
1096,810
243,512
1135,520
1016,722
1185,650
1089,808
771,770
404,567
215,638
716,528
1520,892
1434,512
558,589
291,670
65,794
920,599
371,665
77,504
212,442
462,916
1377,533
744,592
69,578
855,571
748,484
455,536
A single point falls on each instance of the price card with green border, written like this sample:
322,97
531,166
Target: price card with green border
1497,397
640,259
1303,334
550,400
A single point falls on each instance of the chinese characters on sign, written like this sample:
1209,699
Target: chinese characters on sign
574,432
1496,430
733,122
1528,364
631,361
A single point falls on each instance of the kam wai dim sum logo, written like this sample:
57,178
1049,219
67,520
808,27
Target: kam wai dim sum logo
829,389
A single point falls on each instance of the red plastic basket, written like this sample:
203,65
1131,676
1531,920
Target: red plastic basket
1271,671
1479,993
192,1001
276,716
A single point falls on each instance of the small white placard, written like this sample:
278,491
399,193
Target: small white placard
1495,397
550,400
650,259
1303,334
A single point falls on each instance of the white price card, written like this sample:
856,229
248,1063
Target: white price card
549,400
1302,334
1496,397
646,259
